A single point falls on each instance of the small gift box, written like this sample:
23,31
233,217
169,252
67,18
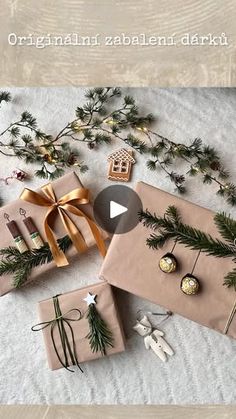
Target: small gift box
60,210
80,326
131,265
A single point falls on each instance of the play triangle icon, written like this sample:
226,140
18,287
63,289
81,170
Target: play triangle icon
116,209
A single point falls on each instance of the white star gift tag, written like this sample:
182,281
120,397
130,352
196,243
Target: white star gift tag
90,299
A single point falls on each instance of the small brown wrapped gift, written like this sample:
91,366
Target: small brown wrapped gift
57,209
70,304
131,265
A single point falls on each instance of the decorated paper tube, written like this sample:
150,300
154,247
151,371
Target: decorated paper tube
16,234
33,231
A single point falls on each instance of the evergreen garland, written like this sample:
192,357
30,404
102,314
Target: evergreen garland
100,337
20,265
26,141
94,124
107,115
170,226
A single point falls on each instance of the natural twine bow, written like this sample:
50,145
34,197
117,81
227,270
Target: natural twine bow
69,350
68,203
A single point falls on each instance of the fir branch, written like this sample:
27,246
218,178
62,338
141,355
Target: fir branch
105,116
189,236
100,337
24,140
173,214
5,97
197,240
230,279
170,226
21,264
202,160
226,227
158,241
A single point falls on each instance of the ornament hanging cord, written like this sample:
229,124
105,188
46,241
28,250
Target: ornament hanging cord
166,315
232,313
195,262
173,248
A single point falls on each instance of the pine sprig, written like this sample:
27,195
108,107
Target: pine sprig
170,226
226,227
201,160
100,337
5,97
26,141
20,265
230,279
96,122
108,115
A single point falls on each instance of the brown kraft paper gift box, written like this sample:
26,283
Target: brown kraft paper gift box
132,266
74,300
61,187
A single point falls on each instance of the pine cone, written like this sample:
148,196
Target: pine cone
91,146
47,158
72,159
215,165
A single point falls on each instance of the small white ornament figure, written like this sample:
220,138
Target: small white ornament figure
153,338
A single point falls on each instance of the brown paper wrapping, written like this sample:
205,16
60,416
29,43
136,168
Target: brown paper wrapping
107,309
132,266
61,186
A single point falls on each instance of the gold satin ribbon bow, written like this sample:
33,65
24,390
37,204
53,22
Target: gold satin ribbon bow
68,203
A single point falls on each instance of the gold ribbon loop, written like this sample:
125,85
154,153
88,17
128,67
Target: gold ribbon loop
67,203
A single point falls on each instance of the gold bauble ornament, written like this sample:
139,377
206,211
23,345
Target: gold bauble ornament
190,285
168,263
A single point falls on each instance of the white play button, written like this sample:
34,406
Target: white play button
116,209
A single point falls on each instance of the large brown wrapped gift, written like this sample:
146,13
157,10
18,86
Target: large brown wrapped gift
62,187
132,266
69,303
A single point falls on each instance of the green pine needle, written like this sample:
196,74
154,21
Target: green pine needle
226,226
100,337
20,265
5,97
107,115
230,280
170,226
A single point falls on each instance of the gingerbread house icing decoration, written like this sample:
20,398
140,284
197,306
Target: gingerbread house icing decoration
120,167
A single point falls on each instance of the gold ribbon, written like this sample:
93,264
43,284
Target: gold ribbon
66,203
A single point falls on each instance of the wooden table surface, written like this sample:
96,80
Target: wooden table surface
117,412
126,65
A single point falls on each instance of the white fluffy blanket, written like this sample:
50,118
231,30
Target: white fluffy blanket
203,368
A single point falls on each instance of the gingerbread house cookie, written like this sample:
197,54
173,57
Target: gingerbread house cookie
120,167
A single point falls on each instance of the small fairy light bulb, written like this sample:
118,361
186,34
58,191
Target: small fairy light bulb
110,121
76,128
32,229
76,163
53,160
142,128
16,234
